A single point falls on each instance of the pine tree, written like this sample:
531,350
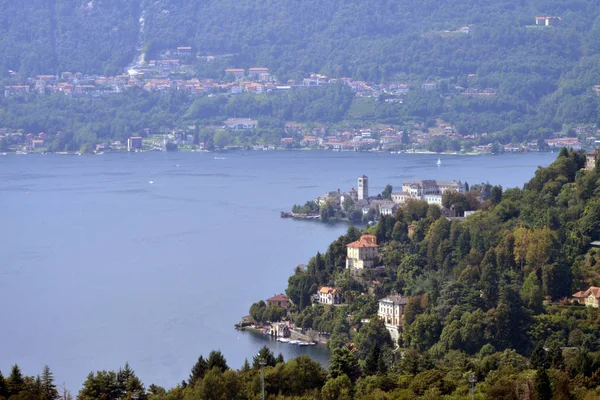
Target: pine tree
543,385
16,383
246,366
216,359
123,376
49,391
266,355
279,359
372,361
3,386
198,371
539,359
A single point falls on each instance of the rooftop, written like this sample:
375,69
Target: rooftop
365,241
395,299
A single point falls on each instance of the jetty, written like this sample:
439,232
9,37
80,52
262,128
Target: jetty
300,216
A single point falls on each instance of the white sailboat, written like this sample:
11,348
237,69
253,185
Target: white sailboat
439,162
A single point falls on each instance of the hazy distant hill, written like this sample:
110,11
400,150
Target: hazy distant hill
372,40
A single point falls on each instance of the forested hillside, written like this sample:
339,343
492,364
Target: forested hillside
372,40
542,76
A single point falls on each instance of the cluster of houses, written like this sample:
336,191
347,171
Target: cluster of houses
428,190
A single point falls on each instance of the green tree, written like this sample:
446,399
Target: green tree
4,392
266,355
387,192
198,371
101,385
16,382
344,362
339,388
532,292
48,387
303,374
222,138
539,357
217,360
424,332
371,334
544,390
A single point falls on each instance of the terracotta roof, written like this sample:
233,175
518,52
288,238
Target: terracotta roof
593,290
327,290
365,241
278,297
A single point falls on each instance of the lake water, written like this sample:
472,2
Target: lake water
100,266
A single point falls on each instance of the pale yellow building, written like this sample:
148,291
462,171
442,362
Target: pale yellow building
590,297
362,253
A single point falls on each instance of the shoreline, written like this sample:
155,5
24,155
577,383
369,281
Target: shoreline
416,152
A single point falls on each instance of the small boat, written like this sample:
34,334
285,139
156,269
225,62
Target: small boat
294,342
439,162
283,340
219,158
303,344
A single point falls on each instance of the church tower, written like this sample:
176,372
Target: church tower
363,188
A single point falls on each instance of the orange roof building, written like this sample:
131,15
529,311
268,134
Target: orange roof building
328,295
590,297
279,300
363,253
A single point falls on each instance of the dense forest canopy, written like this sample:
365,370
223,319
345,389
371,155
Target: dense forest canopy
372,40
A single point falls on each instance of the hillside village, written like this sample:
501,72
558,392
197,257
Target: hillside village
175,72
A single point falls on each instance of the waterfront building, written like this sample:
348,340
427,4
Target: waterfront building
279,300
363,187
134,143
426,189
391,311
362,253
328,295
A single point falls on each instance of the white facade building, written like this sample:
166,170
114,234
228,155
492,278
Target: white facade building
391,311
328,295
427,189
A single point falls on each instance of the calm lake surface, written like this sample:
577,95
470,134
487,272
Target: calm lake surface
100,266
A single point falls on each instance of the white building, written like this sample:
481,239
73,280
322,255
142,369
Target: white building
427,189
391,311
328,295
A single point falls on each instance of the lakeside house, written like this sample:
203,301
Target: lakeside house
329,295
363,253
590,297
391,311
279,300
134,143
